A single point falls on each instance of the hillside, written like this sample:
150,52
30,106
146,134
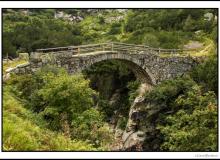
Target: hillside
27,131
162,28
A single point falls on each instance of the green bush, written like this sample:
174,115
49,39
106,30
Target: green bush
65,94
169,90
115,28
188,117
90,126
193,128
65,102
122,123
150,40
133,86
26,131
206,74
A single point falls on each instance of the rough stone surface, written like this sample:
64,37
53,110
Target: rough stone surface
134,135
24,56
148,66
19,69
141,133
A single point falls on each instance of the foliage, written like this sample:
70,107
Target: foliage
169,90
122,123
188,115
106,108
65,102
25,131
66,94
46,32
206,74
90,126
165,28
193,128
51,99
27,86
133,86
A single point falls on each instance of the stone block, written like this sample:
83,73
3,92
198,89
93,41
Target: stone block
16,70
24,56
21,70
9,70
23,65
39,64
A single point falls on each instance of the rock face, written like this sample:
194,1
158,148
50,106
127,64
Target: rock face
134,136
148,66
141,133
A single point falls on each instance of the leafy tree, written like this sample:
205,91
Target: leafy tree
169,90
90,126
206,74
156,27
115,28
193,128
65,101
189,24
24,130
66,94
8,48
150,40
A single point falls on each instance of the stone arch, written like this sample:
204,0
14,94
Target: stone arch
131,61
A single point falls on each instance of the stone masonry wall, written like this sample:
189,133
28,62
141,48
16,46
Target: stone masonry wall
149,65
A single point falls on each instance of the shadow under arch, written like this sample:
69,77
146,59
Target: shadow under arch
144,75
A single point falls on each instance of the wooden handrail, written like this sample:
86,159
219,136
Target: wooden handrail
110,46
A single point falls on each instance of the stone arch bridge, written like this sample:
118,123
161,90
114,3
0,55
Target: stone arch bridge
148,64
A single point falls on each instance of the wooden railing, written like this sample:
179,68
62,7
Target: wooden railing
112,46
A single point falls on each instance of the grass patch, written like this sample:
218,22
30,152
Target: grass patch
207,50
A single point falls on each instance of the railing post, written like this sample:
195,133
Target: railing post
112,46
159,51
